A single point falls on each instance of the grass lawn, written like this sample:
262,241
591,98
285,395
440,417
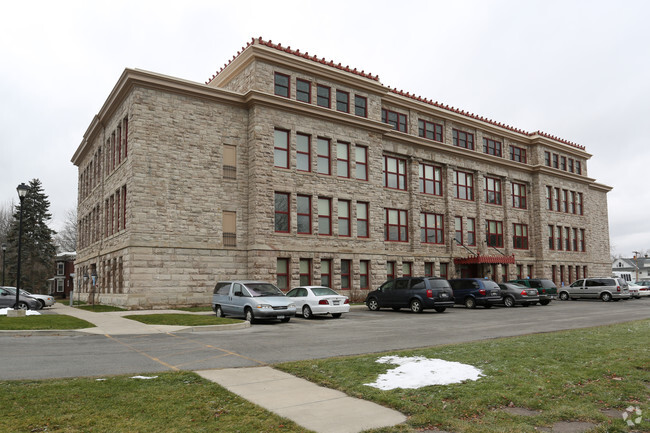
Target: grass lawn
181,319
173,402
98,308
195,309
42,322
570,375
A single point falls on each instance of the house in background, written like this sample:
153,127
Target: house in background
636,268
62,282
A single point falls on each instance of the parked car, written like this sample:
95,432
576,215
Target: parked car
475,291
318,300
517,294
251,300
45,300
644,288
8,300
597,288
416,293
546,289
634,290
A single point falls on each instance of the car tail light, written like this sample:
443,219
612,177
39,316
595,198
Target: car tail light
618,288
429,293
524,293
482,291
347,301
543,290
323,302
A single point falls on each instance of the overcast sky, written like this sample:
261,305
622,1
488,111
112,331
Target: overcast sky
579,70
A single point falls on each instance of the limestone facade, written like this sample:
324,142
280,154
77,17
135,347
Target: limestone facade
183,184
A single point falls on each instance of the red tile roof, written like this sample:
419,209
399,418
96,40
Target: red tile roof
305,55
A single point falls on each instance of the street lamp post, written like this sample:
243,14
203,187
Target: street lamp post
4,253
22,192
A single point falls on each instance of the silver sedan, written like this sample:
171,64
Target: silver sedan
318,300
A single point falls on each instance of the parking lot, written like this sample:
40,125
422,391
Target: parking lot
360,331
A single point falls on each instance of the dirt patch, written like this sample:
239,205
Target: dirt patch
521,411
568,427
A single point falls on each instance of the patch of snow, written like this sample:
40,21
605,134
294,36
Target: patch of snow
144,377
3,312
418,371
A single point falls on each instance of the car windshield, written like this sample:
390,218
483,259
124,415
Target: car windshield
263,289
323,291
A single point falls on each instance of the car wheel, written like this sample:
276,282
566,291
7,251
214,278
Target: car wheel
306,312
415,306
42,302
470,302
440,309
218,311
336,315
563,296
248,315
372,304
286,319
22,305
606,297
546,302
509,301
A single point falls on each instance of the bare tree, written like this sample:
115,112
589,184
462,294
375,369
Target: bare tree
66,239
6,217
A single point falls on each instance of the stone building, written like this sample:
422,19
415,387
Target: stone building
293,169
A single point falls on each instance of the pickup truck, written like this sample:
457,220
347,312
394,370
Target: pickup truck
251,300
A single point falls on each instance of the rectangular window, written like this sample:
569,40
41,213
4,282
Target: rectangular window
432,228
444,270
520,239
556,196
547,159
118,144
518,195
305,272
571,167
126,136
579,171
282,272
554,273
572,203
570,273
112,214
429,269
556,160
323,96
60,268
407,269
360,106
575,240
394,173
326,272
390,270
397,120
281,85
361,159
362,220
303,152
520,271
492,147
346,274
396,225
229,229
494,231
282,212
113,151
530,271
563,163
562,274
518,154
344,218
565,201
580,203
567,238
303,91
342,101
229,162
342,159
430,179
558,239
303,213
458,230
324,216
123,206
364,274
464,185
549,197
430,130
281,148
323,157
471,231
581,241
463,139
118,214
492,190
551,238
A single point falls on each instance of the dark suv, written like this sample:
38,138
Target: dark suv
415,293
546,288
475,291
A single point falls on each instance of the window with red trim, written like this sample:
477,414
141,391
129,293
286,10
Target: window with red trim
556,160
305,272
344,218
492,147
518,154
458,230
575,240
326,272
429,269
303,91
323,156
407,269
394,172
471,231
556,196
430,179
364,274
396,225
567,238
547,159
444,270
343,159
346,274
324,216
492,190
565,201
281,87
361,160
519,195
558,239
464,185
363,223
303,152
578,167
282,273
282,212
360,106
581,241
563,163
397,120
494,232
430,130
551,238
323,96
520,238
432,228
281,148
390,270
572,202
580,204
463,139
342,101
303,213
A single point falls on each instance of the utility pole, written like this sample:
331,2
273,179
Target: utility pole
636,264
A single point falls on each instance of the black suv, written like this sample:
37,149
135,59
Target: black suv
415,293
476,291
546,288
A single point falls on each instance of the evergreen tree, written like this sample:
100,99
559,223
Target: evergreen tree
38,248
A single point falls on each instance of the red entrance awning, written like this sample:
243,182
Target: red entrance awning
479,259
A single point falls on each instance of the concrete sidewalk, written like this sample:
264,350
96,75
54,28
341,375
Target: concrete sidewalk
320,409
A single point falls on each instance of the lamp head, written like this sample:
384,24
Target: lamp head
22,190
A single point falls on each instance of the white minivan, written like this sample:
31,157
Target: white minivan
606,289
251,300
